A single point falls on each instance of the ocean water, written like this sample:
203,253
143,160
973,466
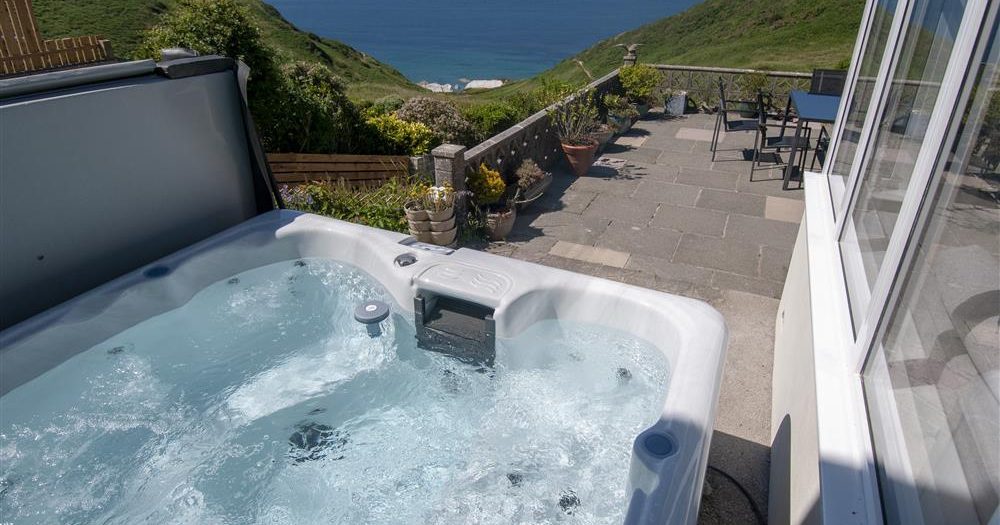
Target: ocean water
261,400
444,41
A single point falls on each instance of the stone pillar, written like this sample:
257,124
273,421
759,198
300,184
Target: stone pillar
449,168
630,55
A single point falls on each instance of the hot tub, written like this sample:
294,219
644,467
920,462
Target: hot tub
114,408
235,365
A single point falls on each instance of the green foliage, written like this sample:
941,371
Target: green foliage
312,114
390,135
527,174
487,185
441,116
576,120
751,83
492,118
640,82
381,207
550,92
619,106
382,106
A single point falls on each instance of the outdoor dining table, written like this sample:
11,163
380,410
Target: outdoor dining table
810,107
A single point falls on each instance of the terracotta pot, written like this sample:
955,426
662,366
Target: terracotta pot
422,236
439,216
413,213
419,226
580,157
442,226
444,238
501,223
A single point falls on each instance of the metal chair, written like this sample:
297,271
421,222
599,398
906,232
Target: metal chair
722,121
828,81
774,144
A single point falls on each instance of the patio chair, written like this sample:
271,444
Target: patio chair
764,144
828,81
722,121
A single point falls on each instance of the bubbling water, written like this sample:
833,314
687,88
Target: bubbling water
261,400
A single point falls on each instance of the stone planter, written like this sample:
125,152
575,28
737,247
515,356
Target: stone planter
621,124
643,109
603,137
675,104
422,236
419,226
443,215
415,212
580,157
533,192
442,226
444,238
501,223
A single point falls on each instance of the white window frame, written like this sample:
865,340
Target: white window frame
847,459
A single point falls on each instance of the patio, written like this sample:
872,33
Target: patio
655,211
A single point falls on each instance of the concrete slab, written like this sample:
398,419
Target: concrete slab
666,193
590,254
719,254
701,135
654,242
690,220
784,209
731,201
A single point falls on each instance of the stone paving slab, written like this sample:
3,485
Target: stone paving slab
666,193
642,240
784,209
590,254
731,201
690,220
621,209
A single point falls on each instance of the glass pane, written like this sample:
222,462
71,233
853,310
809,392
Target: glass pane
878,35
919,69
933,383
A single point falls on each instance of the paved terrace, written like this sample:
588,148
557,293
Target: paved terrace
655,211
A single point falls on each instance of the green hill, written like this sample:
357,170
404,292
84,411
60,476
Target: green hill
122,21
786,35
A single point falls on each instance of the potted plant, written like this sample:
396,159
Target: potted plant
574,123
621,114
490,192
640,83
532,182
439,202
603,135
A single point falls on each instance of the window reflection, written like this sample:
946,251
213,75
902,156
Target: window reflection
933,383
918,72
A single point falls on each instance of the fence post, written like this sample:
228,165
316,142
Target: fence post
449,168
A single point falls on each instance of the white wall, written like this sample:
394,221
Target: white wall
794,487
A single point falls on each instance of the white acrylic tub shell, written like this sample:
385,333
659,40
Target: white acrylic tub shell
691,334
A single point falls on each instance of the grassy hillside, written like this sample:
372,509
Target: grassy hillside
122,21
795,35
786,35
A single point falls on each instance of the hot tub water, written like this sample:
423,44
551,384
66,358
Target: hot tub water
262,400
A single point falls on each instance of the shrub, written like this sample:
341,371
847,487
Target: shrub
383,106
439,115
528,173
315,114
380,207
640,82
618,105
390,135
552,91
486,185
492,118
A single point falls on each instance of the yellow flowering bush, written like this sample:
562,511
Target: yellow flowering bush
486,185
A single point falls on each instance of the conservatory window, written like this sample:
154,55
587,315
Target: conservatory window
932,381
918,70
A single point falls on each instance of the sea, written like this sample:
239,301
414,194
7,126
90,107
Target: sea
456,41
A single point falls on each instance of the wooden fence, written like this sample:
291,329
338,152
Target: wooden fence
353,170
23,51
